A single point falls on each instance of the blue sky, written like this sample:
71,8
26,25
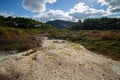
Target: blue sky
71,10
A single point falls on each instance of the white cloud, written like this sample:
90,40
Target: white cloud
82,11
53,15
80,7
114,5
102,2
6,14
79,11
36,5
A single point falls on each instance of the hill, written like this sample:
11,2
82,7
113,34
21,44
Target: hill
61,24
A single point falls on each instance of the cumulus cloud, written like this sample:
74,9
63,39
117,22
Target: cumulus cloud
53,15
114,5
79,11
82,11
36,5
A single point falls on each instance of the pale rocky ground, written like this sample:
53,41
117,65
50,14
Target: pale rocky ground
59,60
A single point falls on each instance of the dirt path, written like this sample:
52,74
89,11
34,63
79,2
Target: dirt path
59,60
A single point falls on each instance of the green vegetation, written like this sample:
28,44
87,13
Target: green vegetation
76,46
21,22
60,24
20,33
103,42
97,24
106,42
20,37
15,39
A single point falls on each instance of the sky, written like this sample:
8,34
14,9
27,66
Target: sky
69,10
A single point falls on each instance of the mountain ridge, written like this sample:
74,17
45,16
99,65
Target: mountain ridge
61,24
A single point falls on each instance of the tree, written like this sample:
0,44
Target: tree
76,26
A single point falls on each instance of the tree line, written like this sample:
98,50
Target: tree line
103,23
21,22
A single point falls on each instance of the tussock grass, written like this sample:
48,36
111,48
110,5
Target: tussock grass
16,39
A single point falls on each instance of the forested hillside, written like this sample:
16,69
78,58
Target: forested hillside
60,24
97,24
21,22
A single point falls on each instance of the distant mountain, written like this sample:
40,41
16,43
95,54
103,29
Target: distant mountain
61,24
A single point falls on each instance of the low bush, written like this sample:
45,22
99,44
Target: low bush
16,39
